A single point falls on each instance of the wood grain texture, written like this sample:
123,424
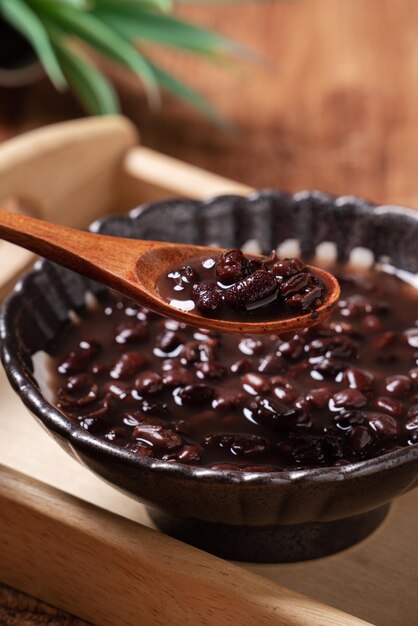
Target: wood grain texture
336,110
19,609
113,571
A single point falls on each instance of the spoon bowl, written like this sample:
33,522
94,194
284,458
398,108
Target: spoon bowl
132,267
149,268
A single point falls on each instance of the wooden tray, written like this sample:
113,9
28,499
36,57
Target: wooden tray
72,540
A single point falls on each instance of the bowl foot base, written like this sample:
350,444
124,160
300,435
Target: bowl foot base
275,543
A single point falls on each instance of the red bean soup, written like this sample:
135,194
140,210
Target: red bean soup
337,393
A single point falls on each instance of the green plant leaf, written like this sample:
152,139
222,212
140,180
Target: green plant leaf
159,5
82,5
184,92
97,34
92,88
25,20
136,23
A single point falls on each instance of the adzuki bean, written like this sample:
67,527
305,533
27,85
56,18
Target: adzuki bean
341,392
233,286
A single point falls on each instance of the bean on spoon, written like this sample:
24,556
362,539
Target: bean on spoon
133,268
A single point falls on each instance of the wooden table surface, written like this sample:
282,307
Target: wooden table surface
337,109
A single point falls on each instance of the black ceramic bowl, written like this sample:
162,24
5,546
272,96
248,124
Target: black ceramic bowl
284,516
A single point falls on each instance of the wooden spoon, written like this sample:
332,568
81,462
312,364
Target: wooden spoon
132,267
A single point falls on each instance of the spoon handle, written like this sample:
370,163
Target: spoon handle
48,240
89,254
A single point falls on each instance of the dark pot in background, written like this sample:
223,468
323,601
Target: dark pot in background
278,517
18,63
